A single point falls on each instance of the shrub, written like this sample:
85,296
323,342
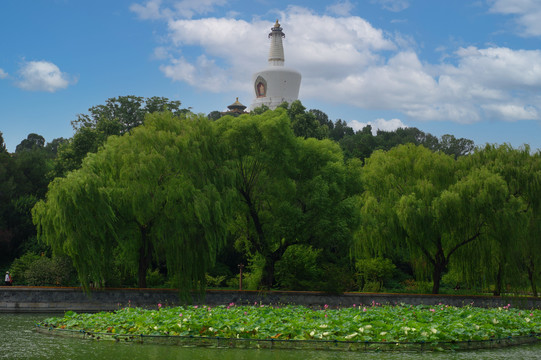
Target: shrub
215,281
155,278
32,269
41,272
422,287
20,265
251,279
336,278
372,273
298,269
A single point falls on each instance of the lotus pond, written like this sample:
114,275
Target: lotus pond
429,326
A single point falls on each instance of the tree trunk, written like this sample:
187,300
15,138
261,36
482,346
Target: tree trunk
531,277
260,245
145,256
440,264
436,277
270,261
498,285
268,273
254,215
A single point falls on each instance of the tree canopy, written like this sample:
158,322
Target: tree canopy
307,202
160,191
116,117
511,244
428,205
290,190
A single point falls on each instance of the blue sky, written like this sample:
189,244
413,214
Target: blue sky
467,68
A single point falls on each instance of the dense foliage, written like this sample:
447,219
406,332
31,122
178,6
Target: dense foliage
291,191
439,323
432,206
148,194
159,191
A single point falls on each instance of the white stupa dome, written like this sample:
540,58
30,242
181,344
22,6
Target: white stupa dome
276,83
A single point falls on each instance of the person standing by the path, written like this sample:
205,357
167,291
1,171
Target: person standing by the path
8,279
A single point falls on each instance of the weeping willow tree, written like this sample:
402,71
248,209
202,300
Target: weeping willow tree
531,252
160,191
512,248
425,205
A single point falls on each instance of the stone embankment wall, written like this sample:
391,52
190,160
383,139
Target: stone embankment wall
49,299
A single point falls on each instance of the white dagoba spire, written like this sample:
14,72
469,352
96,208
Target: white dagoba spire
276,84
276,51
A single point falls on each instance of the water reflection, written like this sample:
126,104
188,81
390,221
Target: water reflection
19,341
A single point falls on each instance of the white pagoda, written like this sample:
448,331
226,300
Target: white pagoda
276,83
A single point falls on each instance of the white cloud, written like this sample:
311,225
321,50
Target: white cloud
341,8
527,14
188,8
3,74
500,67
149,11
393,5
353,63
512,112
378,124
160,53
203,74
243,46
155,9
42,76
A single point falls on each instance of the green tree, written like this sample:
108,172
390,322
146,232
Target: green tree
363,143
456,147
32,141
158,191
530,251
299,268
52,147
29,174
304,123
374,272
128,111
428,206
214,115
71,154
359,145
116,117
259,110
3,148
340,129
322,118
8,186
510,250
290,190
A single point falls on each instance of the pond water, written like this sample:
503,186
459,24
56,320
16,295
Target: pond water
20,341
